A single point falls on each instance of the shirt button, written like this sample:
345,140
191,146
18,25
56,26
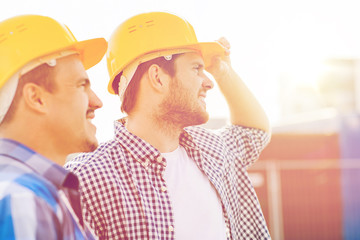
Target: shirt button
159,159
146,163
171,228
163,189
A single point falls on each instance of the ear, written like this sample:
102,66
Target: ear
158,79
35,97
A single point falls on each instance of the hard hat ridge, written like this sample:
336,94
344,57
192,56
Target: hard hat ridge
28,37
149,33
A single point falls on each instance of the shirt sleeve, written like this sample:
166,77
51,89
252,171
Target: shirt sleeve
245,143
26,216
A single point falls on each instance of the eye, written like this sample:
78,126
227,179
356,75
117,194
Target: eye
85,83
197,68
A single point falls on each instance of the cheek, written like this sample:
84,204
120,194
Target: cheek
190,81
77,104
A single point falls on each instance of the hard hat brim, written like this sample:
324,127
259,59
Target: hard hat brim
208,50
91,51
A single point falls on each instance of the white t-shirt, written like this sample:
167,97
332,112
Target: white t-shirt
196,205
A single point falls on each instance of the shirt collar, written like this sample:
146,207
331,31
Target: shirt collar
51,171
141,150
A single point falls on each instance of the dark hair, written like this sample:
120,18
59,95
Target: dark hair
132,90
41,75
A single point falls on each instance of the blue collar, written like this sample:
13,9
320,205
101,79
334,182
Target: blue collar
51,171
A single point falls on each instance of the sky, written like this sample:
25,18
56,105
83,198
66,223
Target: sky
266,37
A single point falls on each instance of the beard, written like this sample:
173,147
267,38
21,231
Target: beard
180,108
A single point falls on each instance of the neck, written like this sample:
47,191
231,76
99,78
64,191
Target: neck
162,135
35,139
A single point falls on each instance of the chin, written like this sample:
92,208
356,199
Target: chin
204,120
204,115
89,144
92,145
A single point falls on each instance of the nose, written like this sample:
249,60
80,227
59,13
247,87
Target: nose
207,83
94,100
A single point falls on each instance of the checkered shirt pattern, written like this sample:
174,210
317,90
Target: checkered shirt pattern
32,194
124,192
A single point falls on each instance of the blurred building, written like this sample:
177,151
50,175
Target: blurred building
307,178
336,85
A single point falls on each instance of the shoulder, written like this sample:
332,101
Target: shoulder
229,137
199,133
208,140
105,152
28,188
25,206
227,132
95,165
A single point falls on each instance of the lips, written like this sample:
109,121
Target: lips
90,114
202,99
202,94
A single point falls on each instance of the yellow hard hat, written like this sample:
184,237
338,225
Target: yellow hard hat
152,32
28,37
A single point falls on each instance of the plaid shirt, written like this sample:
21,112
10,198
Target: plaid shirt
33,202
125,194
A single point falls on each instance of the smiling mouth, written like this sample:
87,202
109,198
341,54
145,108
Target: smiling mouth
90,114
202,100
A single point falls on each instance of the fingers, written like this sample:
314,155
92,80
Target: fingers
225,43
220,65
